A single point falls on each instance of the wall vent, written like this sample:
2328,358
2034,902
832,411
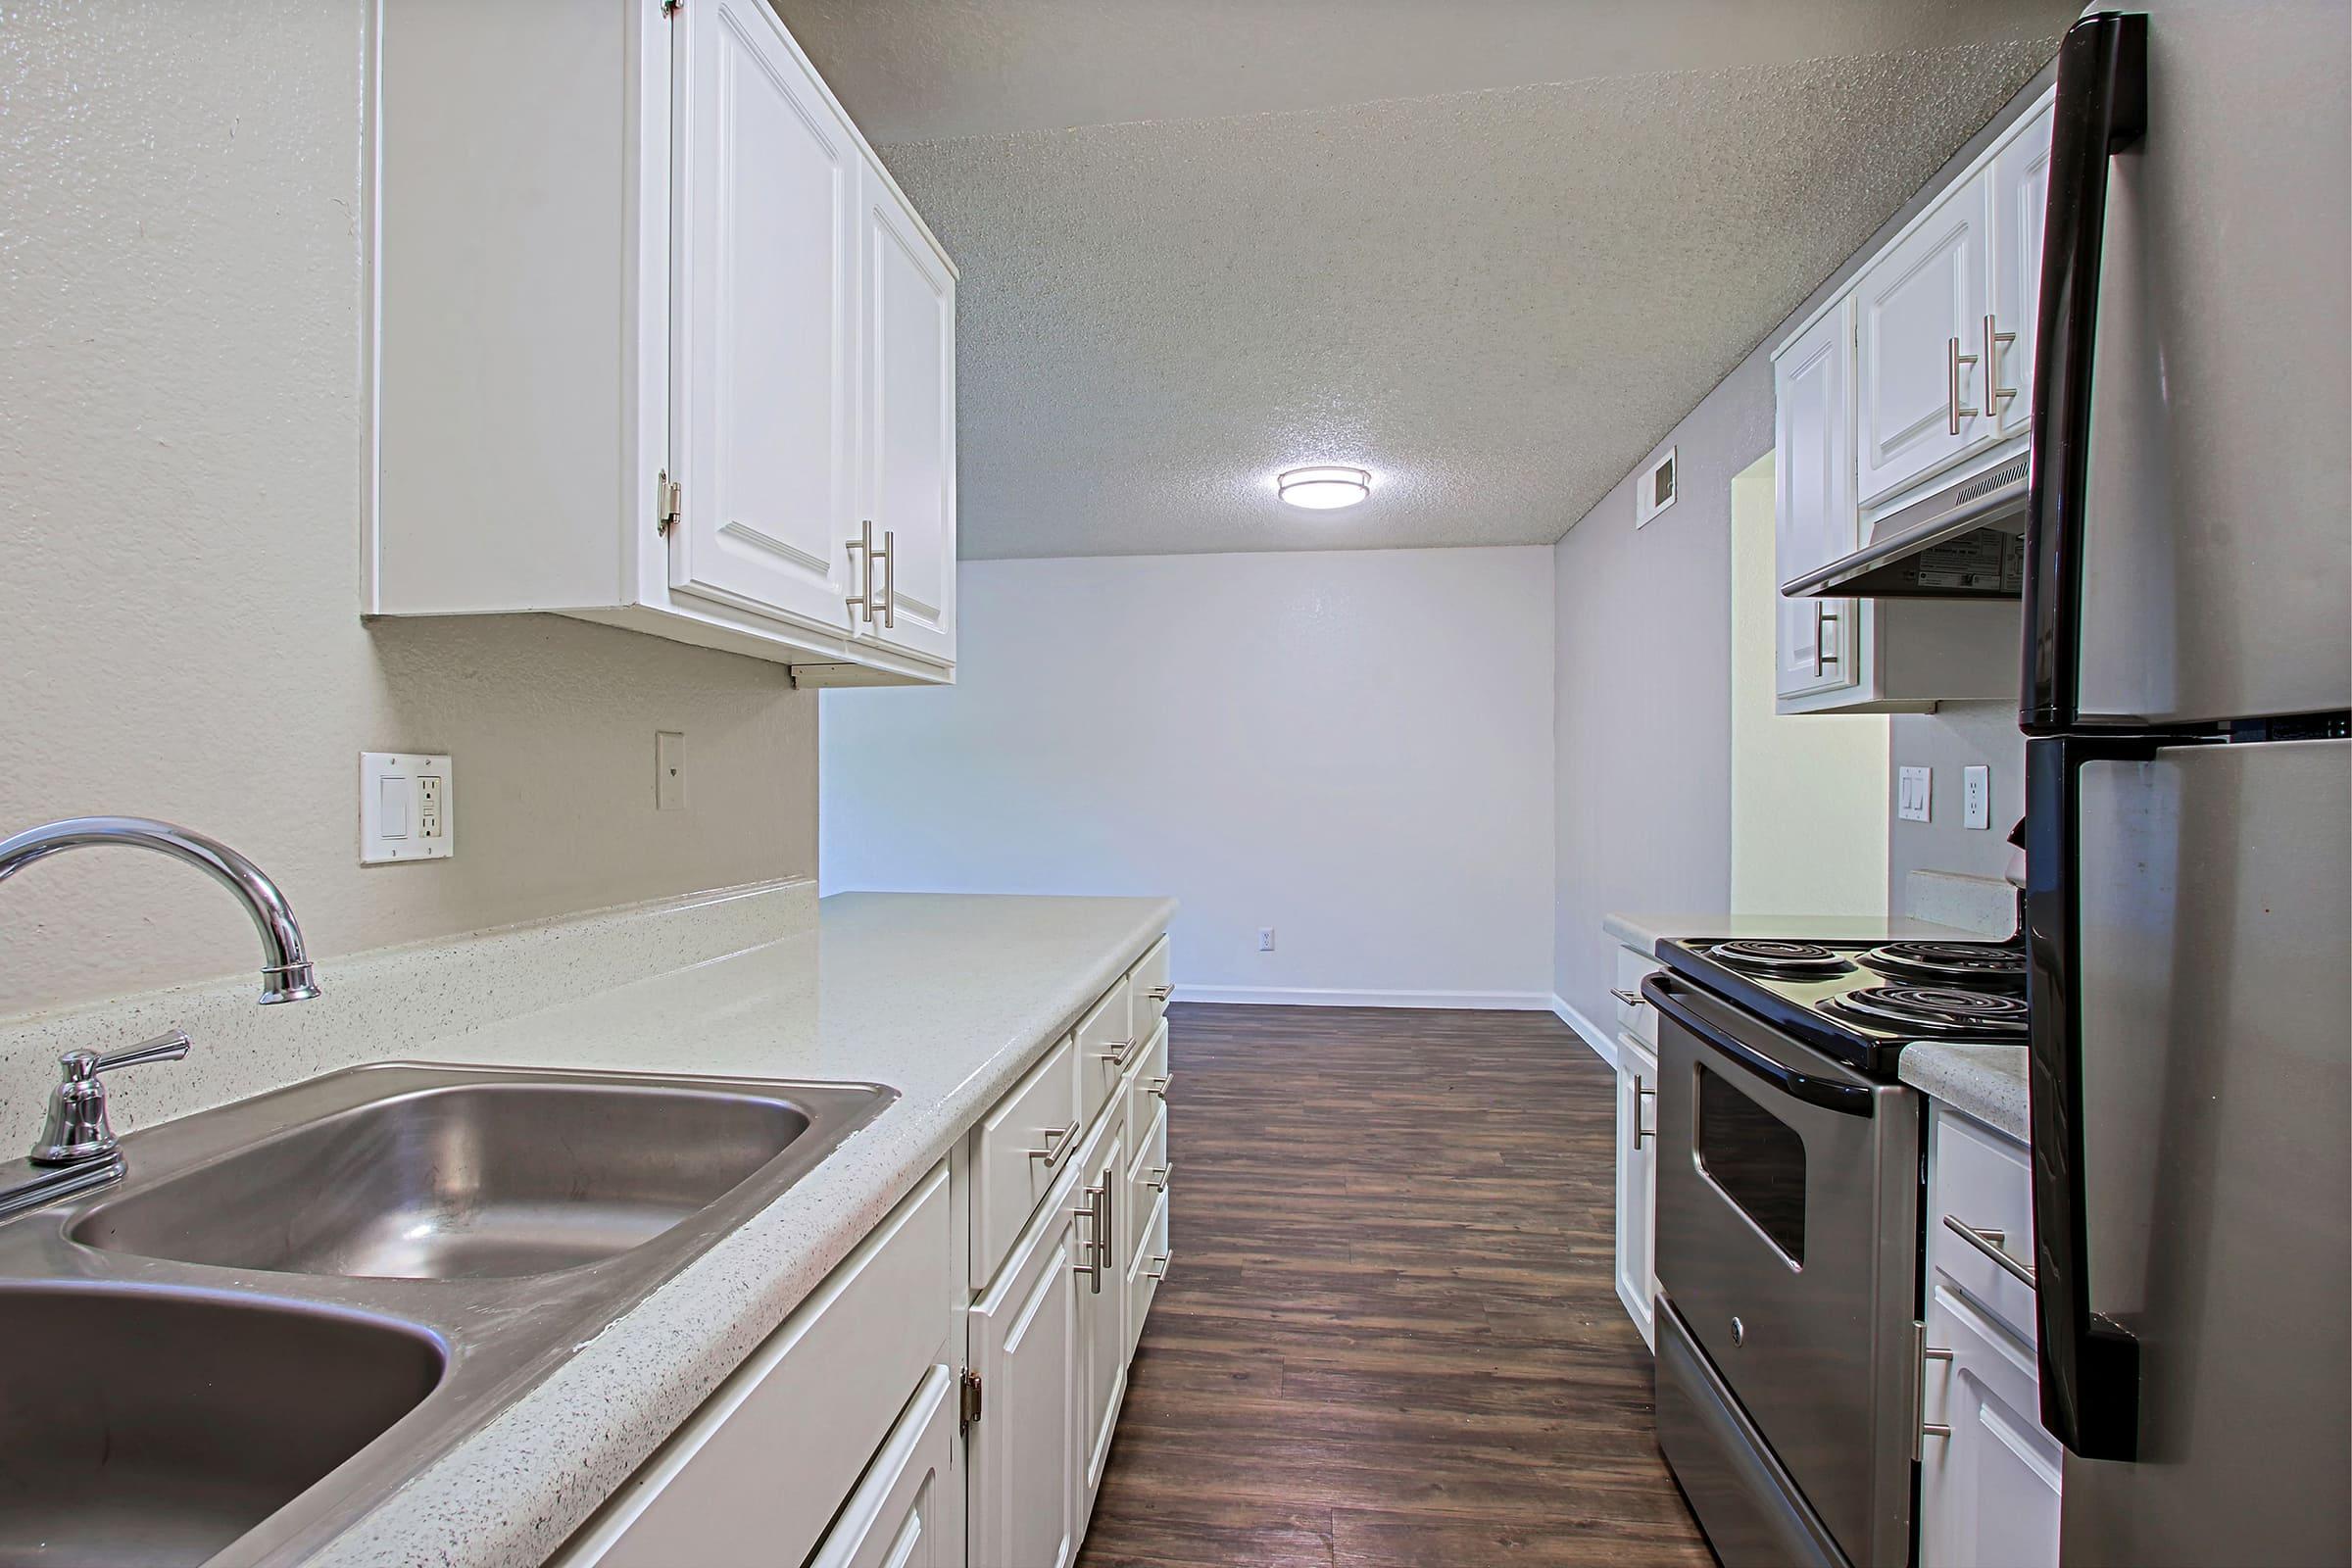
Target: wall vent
1654,491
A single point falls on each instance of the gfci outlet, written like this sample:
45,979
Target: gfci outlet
1265,939
407,807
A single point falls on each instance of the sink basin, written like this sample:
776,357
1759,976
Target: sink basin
467,1180
156,1426
193,1364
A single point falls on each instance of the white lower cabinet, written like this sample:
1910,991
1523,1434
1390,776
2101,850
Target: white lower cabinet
905,1416
1989,1480
1636,1179
1989,1474
1023,1452
908,1510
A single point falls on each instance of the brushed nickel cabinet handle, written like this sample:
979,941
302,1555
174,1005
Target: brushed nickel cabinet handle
1118,1052
1989,1243
1993,390
1958,409
1160,992
890,579
1632,999
1933,1429
863,546
1156,1178
1927,1428
1158,1085
1641,1134
1054,1150
1157,1269
1096,1216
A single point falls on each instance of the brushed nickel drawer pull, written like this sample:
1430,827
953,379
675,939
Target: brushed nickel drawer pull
1933,1429
1160,992
1632,999
864,545
1156,1178
890,579
1157,1268
1993,390
1641,1134
1054,1150
1118,1054
1159,1086
1989,1243
1096,1214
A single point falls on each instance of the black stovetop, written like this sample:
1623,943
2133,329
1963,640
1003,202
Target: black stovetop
1862,1001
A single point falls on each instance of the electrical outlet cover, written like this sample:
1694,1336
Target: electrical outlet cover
407,806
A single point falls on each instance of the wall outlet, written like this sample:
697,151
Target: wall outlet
669,770
1976,796
407,807
1265,939
1911,794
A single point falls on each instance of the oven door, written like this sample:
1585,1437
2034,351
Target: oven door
1788,1239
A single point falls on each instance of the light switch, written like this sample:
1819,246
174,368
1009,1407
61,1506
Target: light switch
407,808
392,807
1911,794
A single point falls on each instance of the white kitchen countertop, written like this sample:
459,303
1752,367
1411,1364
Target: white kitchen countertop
1647,931
1987,1082
945,997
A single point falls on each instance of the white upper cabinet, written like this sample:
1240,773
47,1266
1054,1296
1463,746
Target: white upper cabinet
661,361
907,467
2020,194
1919,316
769,178
1814,521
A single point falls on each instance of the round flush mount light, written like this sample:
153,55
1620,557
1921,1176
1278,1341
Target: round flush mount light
1323,487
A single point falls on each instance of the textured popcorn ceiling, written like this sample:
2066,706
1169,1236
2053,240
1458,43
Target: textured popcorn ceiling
1493,257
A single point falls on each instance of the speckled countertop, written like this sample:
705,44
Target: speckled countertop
947,998
1647,931
1987,1082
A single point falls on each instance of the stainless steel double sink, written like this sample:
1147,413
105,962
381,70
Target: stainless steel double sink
293,1303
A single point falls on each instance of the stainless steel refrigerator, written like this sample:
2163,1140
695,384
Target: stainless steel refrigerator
2189,665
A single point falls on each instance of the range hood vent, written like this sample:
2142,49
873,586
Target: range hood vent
1965,541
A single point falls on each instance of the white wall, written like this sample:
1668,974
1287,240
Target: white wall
1354,748
1808,813
180,555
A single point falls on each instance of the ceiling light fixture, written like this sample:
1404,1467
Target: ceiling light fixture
1323,487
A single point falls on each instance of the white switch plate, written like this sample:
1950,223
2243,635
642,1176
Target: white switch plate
1976,796
1911,794
407,807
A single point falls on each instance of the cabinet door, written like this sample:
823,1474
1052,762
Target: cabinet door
908,1510
1102,1312
907,359
1814,521
1636,1181
1024,1451
766,188
1988,1491
1919,324
2021,191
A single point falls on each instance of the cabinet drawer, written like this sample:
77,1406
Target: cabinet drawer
908,1510
1989,1480
1152,986
1146,1081
749,1477
1982,1180
1145,1269
1636,1015
1106,1047
1017,1150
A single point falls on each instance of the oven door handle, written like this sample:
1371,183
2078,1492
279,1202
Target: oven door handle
1676,1002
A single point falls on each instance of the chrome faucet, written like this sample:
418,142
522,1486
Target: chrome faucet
285,968
77,1145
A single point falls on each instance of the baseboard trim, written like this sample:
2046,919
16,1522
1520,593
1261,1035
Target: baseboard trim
1602,1042
1317,997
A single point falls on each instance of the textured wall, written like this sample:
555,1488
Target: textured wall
1352,747
1642,710
1957,735
180,635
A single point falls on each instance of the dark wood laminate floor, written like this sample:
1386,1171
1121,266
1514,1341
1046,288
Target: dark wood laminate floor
1389,1335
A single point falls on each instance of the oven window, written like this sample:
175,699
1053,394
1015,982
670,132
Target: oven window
1756,1158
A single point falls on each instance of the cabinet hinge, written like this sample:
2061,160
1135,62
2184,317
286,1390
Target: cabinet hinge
670,502
969,1412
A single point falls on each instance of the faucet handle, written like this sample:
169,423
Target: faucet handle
78,1128
82,1065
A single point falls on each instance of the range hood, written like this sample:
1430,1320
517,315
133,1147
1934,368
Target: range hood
1965,541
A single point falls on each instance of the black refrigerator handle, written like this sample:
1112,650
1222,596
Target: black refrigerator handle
2101,109
2090,1365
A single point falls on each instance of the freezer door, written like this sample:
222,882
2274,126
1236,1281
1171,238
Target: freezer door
2215,546
2216,983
